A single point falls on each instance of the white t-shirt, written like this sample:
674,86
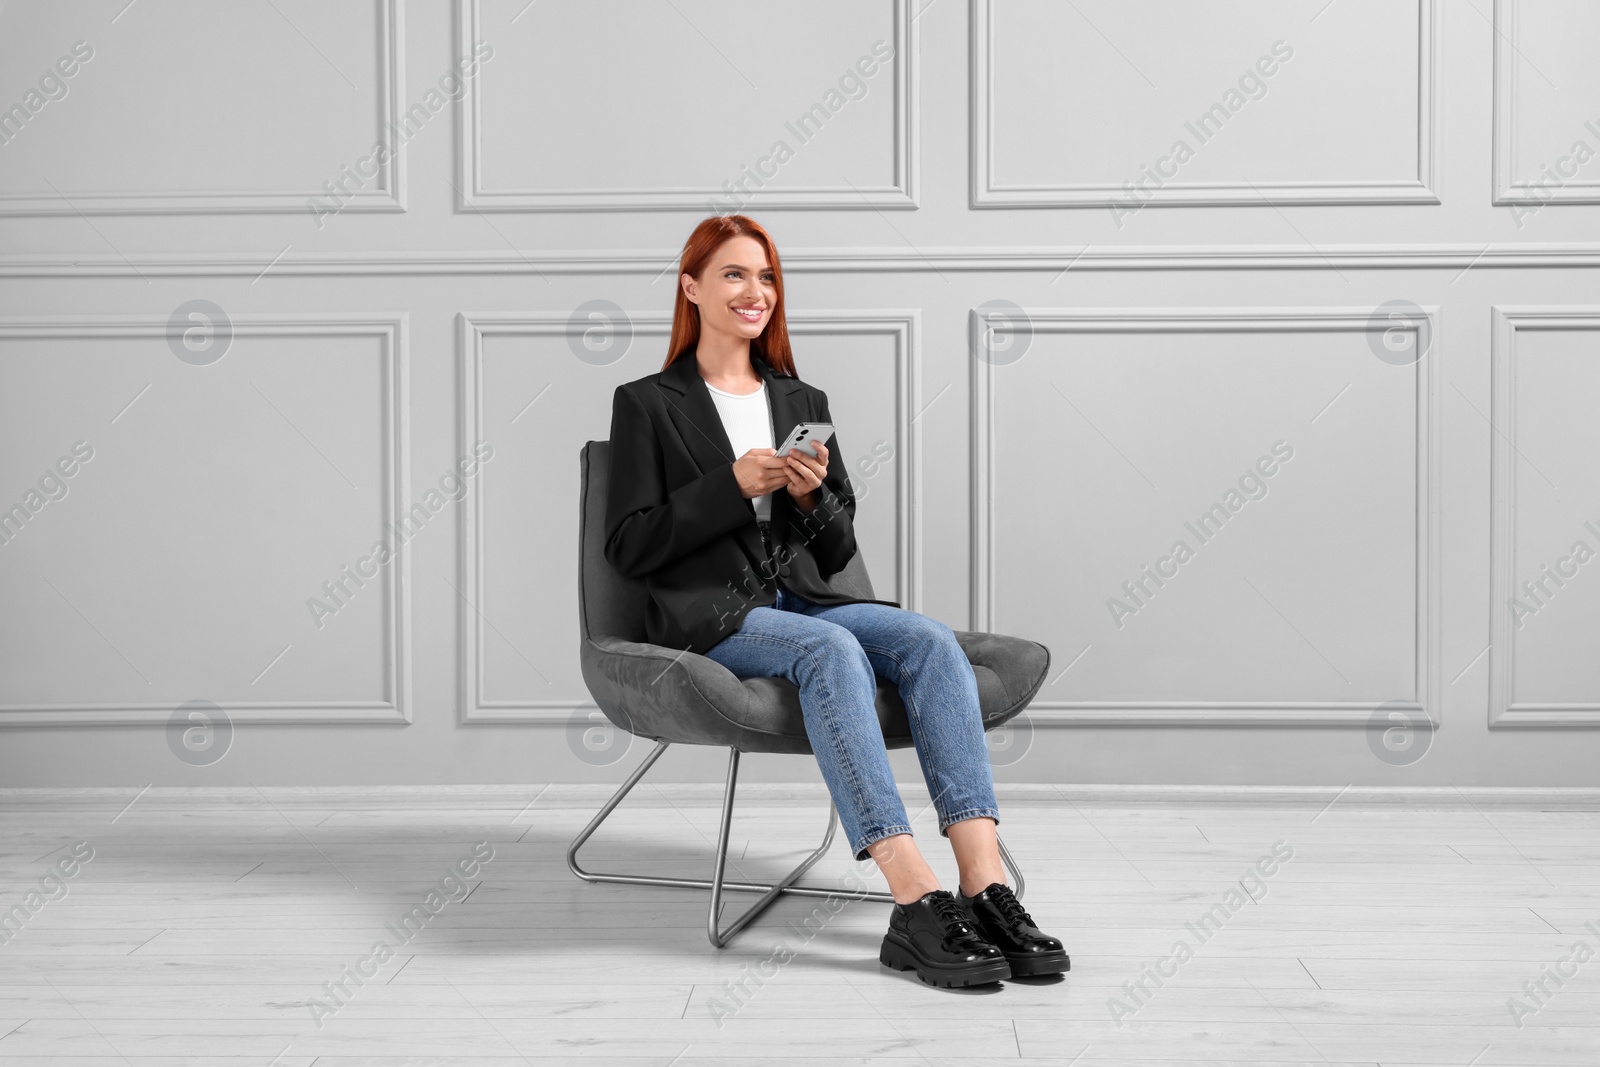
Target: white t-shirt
747,419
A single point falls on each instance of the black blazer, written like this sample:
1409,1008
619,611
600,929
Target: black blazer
676,519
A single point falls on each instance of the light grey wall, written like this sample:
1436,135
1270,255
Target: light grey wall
1407,178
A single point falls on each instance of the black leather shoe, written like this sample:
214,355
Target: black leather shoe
1000,918
936,938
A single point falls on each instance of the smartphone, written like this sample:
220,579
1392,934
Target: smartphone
802,436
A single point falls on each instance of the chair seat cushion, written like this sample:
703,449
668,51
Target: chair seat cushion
667,694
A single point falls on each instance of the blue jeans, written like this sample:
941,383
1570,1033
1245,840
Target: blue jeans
832,653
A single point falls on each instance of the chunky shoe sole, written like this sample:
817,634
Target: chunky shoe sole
1034,966
901,958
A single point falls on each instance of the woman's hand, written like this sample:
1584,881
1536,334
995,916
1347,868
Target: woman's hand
806,473
760,471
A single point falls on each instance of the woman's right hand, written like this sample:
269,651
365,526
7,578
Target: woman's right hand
760,471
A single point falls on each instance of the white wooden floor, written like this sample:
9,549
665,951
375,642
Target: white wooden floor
208,920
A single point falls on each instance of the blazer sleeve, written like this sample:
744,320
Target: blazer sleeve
647,526
829,528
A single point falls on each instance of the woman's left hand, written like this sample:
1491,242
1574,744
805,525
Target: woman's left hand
806,473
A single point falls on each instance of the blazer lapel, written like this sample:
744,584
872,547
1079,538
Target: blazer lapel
694,413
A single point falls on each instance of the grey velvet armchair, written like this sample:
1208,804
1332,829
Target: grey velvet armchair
698,701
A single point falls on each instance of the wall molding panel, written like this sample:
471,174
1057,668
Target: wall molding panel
1504,711
386,194
1181,321
473,195
988,193
903,326
1510,189
391,329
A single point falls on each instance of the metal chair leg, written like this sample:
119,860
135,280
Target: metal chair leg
720,937
717,884
1011,865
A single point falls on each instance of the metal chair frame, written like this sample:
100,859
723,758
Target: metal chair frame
719,935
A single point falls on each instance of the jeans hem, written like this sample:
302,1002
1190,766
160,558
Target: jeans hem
874,836
970,813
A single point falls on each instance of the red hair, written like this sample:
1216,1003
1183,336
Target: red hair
773,343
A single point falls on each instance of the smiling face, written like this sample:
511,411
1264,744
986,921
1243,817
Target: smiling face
736,292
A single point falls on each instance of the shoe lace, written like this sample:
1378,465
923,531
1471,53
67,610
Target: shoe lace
1009,905
951,913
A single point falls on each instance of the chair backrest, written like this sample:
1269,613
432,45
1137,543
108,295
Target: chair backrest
610,603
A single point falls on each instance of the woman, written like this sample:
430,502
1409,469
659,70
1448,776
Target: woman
698,496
